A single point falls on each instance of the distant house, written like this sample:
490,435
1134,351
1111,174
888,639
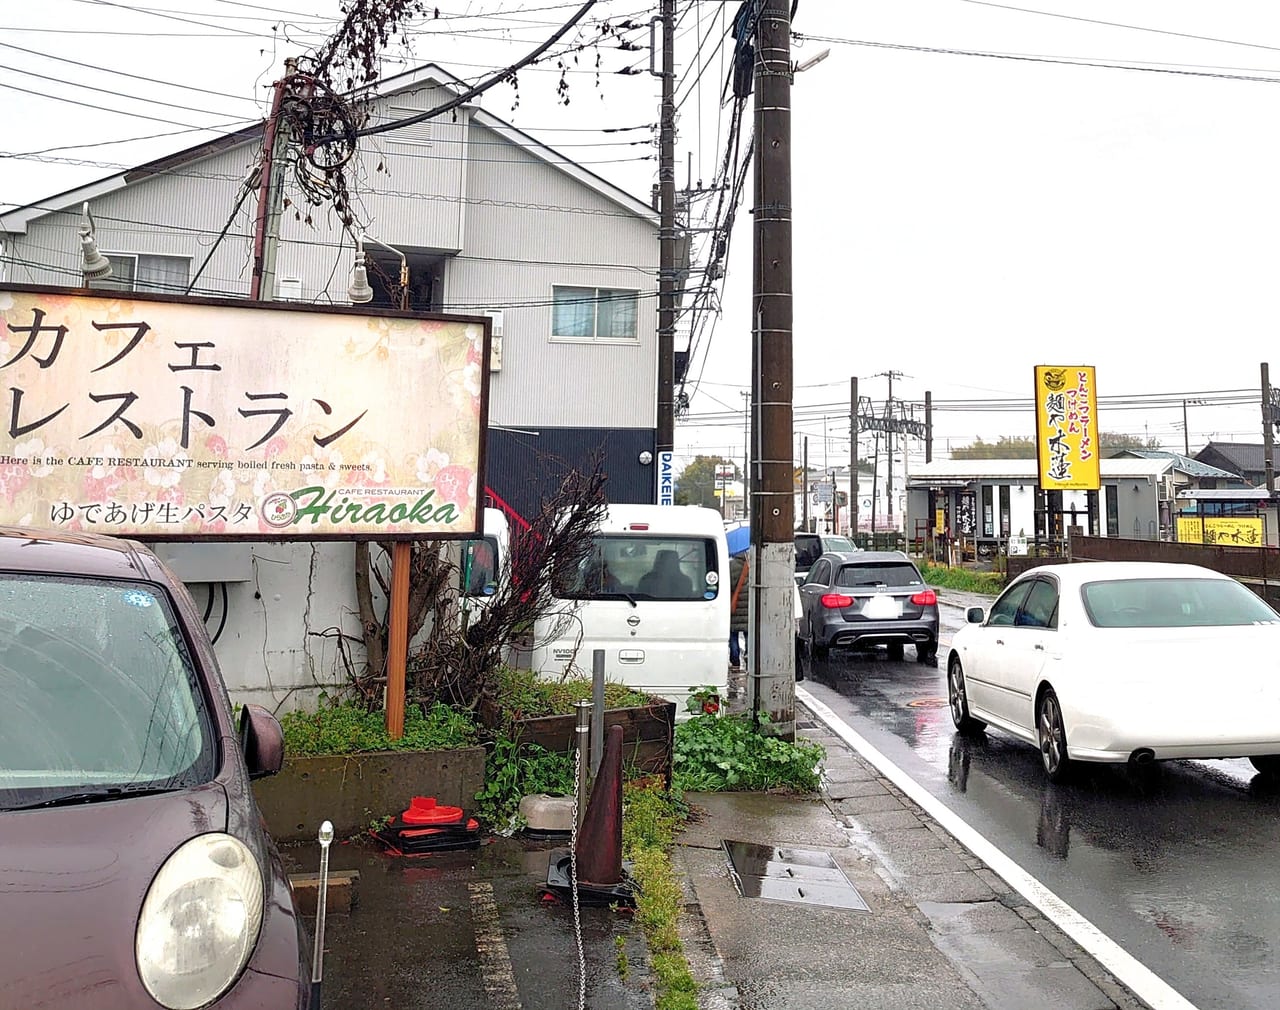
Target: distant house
1246,460
1189,473
491,221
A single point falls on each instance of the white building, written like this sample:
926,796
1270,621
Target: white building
490,221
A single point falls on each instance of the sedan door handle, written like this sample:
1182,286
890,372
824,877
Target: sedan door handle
1040,646
999,641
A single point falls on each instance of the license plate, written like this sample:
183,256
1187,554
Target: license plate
882,607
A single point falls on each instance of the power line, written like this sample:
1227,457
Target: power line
1115,24
1069,61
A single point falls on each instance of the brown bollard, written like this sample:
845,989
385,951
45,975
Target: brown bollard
599,848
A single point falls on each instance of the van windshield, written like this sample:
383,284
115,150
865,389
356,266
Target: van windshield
625,566
478,575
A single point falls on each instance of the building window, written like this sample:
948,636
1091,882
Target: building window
129,272
593,313
988,512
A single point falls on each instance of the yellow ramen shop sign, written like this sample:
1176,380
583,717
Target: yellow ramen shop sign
1067,444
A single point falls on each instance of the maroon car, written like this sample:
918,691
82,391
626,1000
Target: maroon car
135,869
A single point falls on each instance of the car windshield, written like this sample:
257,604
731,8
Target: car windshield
838,544
632,567
894,574
99,691
1173,603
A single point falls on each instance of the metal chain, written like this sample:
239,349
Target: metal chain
573,883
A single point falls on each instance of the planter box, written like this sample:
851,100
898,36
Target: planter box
648,733
353,789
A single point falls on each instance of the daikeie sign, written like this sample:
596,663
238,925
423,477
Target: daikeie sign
167,418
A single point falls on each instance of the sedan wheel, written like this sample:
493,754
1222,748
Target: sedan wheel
959,702
1268,765
1053,737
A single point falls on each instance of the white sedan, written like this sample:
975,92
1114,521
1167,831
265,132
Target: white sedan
1121,661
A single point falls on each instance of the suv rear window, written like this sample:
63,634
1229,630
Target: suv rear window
894,574
99,690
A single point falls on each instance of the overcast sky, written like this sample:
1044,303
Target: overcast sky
958,218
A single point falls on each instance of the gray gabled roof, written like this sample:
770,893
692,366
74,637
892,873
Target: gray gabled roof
1246,457
1185,464
14,222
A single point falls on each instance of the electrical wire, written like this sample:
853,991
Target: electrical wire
1114,24
1068,61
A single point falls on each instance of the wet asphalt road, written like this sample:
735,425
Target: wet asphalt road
1177,866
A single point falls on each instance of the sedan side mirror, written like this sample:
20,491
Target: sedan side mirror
261,741
974,615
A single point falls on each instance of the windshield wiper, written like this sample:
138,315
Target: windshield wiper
95,796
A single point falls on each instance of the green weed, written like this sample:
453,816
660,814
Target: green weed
726,753
344,728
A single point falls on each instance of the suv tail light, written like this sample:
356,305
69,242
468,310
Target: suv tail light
925,598
836,601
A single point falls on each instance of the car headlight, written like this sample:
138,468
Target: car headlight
199,922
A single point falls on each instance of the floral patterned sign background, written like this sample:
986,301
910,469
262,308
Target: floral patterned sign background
130,416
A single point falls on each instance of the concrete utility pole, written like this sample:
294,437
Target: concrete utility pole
1268,422
804,502
853,456
266,223
772,638
746,453
667,240
888,414
928,426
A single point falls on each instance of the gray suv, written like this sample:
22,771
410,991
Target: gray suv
869,598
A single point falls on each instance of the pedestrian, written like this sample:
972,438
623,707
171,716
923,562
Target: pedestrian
738,605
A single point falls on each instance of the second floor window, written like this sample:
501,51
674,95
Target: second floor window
581,313
161,274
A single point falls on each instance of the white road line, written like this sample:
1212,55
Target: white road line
495,960
1140,979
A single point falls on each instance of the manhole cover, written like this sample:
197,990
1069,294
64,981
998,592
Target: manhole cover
928,703
799,876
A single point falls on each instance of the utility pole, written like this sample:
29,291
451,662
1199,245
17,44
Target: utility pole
266,224
772,638
1268,422
804,504
928,426
853,456
667,241
888,413
746,457
1186,433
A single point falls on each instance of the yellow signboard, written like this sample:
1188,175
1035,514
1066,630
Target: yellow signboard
940,519
180,418
1067,444
1221,531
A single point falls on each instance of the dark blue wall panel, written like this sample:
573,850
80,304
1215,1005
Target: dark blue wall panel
526,468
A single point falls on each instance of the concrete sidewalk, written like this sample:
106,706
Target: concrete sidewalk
942,929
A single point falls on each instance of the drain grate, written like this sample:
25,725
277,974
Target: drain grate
799,876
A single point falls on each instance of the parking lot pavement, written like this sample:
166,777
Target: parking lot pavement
452,931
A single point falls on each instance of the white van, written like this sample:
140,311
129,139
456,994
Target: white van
652,594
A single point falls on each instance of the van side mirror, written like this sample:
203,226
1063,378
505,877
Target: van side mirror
261,741
975,615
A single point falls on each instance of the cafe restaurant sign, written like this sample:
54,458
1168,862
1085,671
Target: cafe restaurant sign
1067,441
181,419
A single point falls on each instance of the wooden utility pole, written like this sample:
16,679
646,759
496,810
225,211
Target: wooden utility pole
266,222
772,641
853,456
667,240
